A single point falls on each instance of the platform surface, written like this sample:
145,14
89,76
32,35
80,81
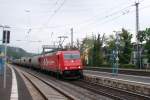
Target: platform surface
5,93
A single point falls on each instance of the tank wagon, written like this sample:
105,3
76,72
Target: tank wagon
65,63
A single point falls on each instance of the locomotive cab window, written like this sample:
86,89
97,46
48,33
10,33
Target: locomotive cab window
72,56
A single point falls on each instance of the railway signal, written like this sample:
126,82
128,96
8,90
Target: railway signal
6,36
5,41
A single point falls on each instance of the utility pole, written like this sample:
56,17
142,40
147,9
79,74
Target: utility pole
71,38
137,35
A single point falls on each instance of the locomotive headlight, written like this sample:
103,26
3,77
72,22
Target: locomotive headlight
79,67
66,67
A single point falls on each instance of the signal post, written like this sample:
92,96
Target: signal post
5,41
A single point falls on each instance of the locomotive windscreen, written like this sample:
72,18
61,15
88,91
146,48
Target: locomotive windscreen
72,56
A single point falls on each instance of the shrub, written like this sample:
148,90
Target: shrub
105,65
131,66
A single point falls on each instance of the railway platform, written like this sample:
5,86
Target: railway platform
15,87
137,84
137,72
130,78
20,87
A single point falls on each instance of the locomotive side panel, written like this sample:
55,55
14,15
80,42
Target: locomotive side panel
49,62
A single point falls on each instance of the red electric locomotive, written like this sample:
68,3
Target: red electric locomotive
65,63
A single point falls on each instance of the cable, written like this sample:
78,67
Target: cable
102,18
89,20
123,13
145,7
67,24
55,11
56,2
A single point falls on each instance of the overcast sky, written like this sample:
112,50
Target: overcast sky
35,20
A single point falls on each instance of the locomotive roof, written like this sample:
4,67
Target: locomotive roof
51,53
69,51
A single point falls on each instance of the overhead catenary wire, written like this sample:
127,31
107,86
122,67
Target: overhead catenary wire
56,10
50,18
54,13
57,26
105,18
83,22
130,11
102,19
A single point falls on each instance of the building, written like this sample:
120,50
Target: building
143,58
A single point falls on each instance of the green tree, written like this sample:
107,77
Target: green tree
94,47
144,36
147,45
125,46
111,42
110,45
97,56
87,45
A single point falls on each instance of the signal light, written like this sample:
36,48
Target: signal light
6,39
4,36
66,68
8,36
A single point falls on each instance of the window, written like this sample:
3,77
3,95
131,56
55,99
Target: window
71,56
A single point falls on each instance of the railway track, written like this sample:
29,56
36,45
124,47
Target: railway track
82,90
122,71
70,91
46,91
113,93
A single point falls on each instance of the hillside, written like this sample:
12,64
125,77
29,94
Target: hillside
16,52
